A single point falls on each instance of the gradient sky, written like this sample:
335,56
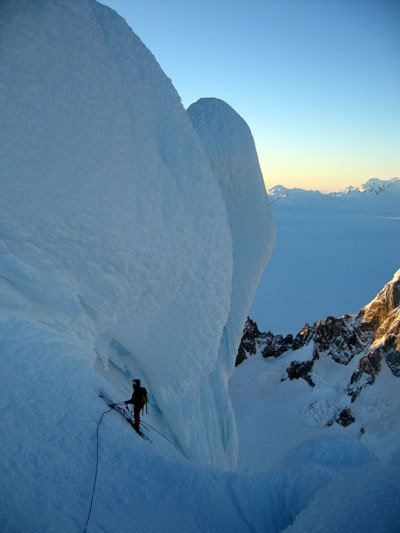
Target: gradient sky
317,81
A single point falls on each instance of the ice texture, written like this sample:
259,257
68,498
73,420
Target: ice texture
230,147
115,229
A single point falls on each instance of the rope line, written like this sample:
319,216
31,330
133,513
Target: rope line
97,456
145,424
97,467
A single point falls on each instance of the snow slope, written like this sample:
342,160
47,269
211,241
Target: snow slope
48,467
333,253
275,415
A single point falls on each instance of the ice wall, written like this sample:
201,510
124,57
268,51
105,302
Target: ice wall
230,147
114,228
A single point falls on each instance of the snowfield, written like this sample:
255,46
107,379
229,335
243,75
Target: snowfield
125,252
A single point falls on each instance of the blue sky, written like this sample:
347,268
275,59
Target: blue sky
317,81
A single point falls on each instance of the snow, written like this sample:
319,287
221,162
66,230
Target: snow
152,486
371,503
281,414
124,253
289,424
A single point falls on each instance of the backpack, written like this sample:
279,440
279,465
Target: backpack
143,393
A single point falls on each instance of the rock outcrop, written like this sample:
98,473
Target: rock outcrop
372,335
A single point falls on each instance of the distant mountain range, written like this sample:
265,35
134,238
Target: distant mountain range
368,190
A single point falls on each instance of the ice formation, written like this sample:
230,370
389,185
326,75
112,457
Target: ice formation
230,147
115,230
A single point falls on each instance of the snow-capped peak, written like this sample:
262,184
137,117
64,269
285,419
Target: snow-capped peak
373,186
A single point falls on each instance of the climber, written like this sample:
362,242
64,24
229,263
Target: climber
138,400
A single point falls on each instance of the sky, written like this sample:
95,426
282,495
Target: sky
317,81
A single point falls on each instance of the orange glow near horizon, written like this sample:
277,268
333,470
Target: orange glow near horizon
292,173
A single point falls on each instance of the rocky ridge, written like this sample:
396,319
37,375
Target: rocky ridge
372,336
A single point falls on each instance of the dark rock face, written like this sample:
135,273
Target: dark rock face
301,369
250,334
268,344
275,345
392,354
383,309
340,338
381,318
370,365
303,337
248,344
365,374
345,417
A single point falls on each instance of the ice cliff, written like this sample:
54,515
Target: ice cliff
127,243
230,147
